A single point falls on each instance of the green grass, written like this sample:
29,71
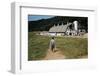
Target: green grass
73,47
37,46
70,47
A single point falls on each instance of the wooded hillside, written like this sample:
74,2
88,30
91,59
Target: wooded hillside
46,24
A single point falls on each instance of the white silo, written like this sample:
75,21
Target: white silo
75,25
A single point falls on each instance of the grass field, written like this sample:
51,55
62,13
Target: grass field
72,48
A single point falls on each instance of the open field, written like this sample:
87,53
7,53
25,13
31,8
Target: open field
71,48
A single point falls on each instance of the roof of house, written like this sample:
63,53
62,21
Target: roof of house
59,28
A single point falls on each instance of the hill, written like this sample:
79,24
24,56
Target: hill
46,24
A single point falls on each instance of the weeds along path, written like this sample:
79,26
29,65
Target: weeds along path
54,55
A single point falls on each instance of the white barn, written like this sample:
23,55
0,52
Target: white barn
67,29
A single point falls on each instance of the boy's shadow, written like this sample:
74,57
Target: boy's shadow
56,50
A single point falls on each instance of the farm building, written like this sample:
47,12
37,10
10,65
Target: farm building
66,29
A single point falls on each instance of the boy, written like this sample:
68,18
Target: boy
52,44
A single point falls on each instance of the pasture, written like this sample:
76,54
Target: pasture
71,48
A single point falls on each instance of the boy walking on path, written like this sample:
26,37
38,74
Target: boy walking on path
52,44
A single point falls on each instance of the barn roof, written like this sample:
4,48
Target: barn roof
59,28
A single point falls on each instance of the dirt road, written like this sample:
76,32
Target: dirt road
54,55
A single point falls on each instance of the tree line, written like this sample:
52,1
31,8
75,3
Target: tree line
46,24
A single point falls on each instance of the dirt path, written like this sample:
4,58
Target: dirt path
54,55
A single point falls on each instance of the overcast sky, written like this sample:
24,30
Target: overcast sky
38,17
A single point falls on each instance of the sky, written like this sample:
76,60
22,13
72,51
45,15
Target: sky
38,17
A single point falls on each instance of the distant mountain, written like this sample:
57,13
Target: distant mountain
46,24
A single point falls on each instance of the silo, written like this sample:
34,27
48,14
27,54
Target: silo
75,25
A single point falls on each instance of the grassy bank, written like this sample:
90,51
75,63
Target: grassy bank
73,47
70,47
37,46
